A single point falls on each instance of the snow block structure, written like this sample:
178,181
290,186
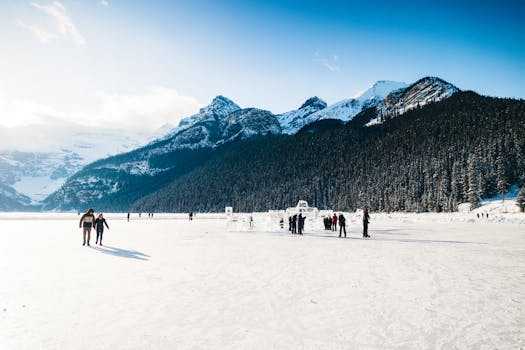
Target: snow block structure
303,208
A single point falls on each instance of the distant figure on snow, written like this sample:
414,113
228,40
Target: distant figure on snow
334,222
366,220
327,223
294,224
251,221
300,223
128,216
86,222
99,226
191,215
290,223
342,224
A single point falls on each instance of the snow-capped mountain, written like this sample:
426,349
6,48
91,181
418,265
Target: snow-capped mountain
12,200
248,122
315,109
50,154
201,129
424,91
220,122
124,178
293,121
345,110
36,174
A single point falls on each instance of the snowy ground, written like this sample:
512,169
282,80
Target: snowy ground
424,281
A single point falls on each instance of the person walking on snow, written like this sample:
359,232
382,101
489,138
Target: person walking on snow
342,224
99,226
366,220
86,222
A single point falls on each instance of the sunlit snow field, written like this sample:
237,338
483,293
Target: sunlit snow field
423,281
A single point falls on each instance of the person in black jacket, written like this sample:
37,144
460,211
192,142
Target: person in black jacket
300,223
366,220
342,224
99,226
294,224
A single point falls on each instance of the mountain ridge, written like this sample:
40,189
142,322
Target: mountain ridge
122,178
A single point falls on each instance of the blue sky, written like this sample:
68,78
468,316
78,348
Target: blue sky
118,62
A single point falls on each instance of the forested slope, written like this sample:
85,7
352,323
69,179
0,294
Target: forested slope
429,159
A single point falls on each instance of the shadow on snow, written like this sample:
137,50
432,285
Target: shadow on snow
123,253
402,240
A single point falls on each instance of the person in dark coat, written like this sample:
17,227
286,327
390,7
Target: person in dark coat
99,226
290,223
328,223
300,223
129,216
86,222
334,222
294,224
366,220
342,224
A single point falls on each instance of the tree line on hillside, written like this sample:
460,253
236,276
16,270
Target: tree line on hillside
431,159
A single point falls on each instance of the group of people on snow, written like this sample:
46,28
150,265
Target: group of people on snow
330,223
88,221
296,224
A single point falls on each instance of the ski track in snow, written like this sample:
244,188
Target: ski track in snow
172,283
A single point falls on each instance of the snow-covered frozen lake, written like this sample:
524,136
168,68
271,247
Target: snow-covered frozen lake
421,282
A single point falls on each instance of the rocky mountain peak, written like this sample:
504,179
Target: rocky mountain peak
221,106
422,92
314,102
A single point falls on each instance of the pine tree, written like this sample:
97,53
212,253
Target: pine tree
473,192
502,183
521,198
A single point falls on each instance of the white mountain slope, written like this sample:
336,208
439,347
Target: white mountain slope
293,121
50,155
345,110
220,122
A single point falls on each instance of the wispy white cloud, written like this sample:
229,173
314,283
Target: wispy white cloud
145,110
148,109
104,2
42,35
332,63
63,24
